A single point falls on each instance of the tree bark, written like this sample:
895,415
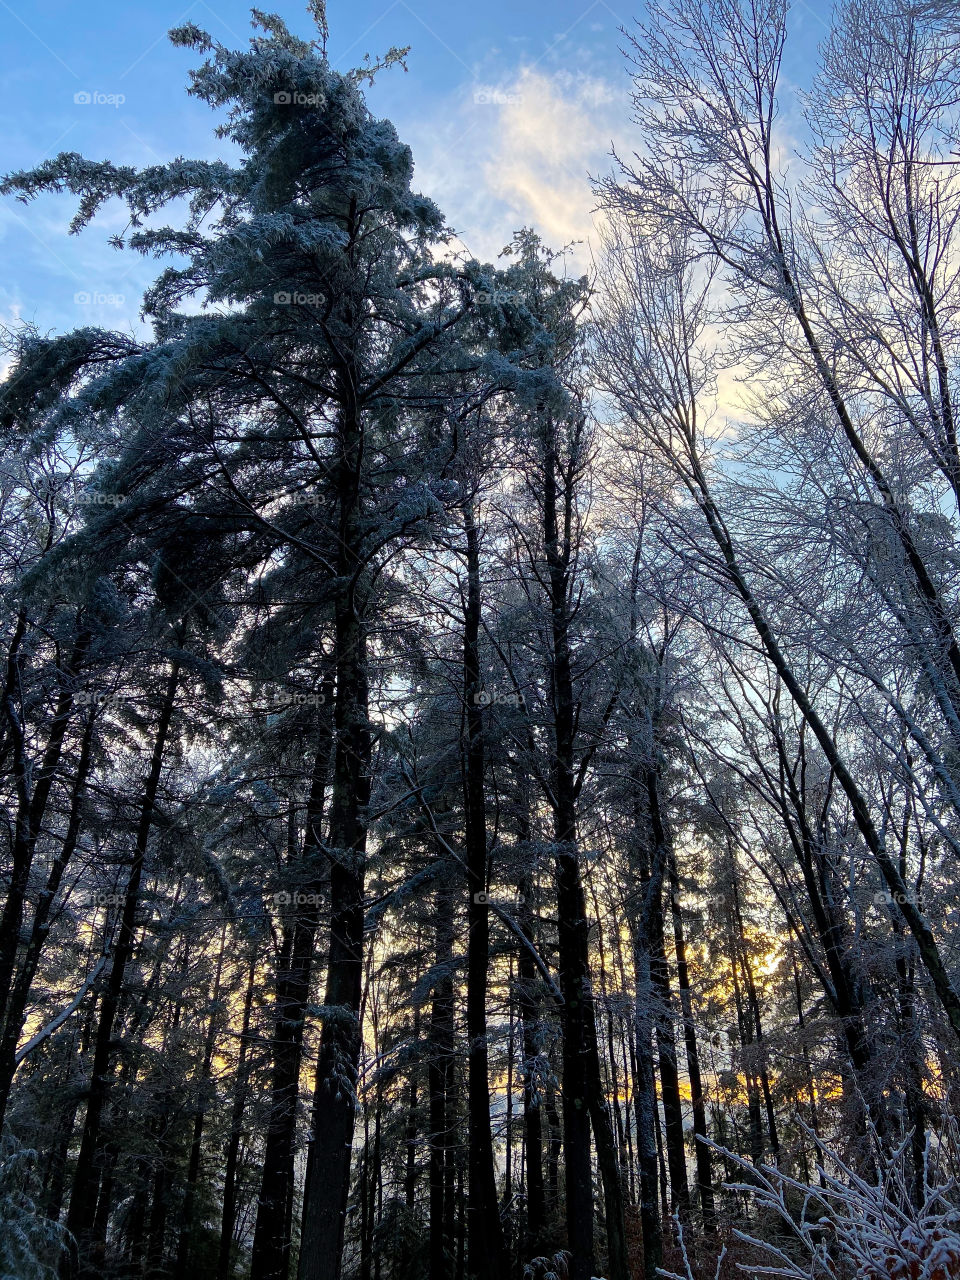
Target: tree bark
31,808
188,1213
704,1169
80,1219
584,1103
334,1099
240,1090
486,1256
440,1084
40,927
270,1255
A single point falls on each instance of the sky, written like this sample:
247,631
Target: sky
509,106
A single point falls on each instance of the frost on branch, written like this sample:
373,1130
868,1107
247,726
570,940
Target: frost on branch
31,1245
853,1228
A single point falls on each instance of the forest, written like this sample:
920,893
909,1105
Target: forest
480,744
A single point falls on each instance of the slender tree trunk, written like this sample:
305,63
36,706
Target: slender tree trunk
584,1103
807,1067
645,1111
486,1256
663,1016
327,1183
648,895
843,986
270,1257
704,1170
527,987
160,1191
185,1242
23,984
746,1043
753,1016
240,1092
365,1194
31,807
411,1172
912,1056
56,1169
554,1151
917,923
80,1219
440,1074
574,977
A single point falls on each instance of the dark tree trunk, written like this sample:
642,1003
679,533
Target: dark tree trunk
327,1183
56,1170
910,1036
334,1104
755,1031
846,989
20,994
704,1170
185,1242
80,1219
486,1256
577,1007
527,989
744,1030
584,1103
554,1151
645,1111
649,892
663,1018
411,1173
31,808
240,1092
440,1084
814,1121
270,1257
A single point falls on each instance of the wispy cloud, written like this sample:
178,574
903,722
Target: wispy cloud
520,153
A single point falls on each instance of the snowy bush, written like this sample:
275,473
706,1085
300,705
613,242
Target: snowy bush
853,1228
30,1244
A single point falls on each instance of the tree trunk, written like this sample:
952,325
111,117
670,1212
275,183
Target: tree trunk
334,1100
663,1013
30,812
527,988
188,1213
22,986
440,1084
486,1257
584,1102
80,1219
704,1170
270,1257
240,1090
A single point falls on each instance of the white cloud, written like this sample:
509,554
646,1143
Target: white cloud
520,153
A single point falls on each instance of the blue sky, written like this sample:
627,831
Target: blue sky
507,106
